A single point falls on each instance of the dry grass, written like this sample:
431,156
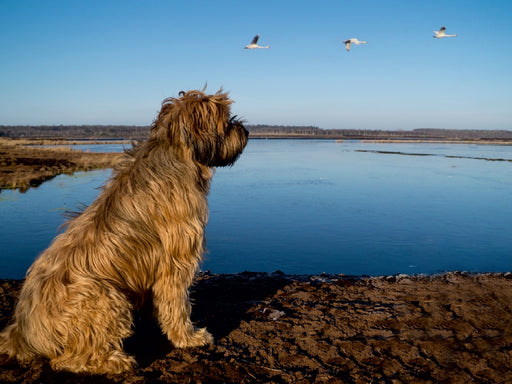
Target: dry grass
23,166
63,142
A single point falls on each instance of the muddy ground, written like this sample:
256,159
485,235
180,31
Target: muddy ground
272,328
23,166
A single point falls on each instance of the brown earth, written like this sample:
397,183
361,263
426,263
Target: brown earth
451,328
23,166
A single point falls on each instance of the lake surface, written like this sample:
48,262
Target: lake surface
319,206
102,148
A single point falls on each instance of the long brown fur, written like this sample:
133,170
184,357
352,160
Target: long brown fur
143,234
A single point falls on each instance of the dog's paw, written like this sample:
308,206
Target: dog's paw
113,363
197,338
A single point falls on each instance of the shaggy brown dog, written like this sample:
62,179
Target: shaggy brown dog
144,234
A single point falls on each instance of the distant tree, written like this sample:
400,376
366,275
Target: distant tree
257,130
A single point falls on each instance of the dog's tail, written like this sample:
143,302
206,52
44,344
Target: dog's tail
7,347
11,347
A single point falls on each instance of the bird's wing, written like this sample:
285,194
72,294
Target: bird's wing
255,40
443,28
347,44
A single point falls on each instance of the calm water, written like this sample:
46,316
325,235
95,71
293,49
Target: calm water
95,148
319,206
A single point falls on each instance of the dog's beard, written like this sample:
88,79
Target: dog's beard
226,149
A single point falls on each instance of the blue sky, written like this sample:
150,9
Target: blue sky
113,62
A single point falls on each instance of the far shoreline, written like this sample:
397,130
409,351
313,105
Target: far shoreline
381,141
263,131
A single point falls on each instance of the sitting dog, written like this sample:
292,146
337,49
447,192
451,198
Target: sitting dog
143,236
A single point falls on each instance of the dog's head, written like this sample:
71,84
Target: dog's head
201,126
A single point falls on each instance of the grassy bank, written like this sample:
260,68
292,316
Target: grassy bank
23,166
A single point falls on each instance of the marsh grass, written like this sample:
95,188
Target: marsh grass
25,164
62,142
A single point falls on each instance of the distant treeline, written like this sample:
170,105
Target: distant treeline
74,131
376,134
257,131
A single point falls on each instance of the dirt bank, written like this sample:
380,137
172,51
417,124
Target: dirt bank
453,328
23,166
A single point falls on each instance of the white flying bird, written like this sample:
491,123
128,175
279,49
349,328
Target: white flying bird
352,41
254,44
441,33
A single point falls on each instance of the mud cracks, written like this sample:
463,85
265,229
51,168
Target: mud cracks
453,328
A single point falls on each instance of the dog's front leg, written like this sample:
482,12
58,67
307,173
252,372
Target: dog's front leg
173,309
